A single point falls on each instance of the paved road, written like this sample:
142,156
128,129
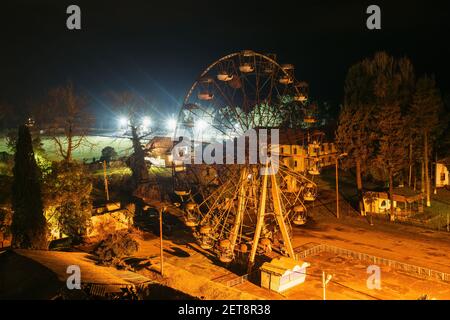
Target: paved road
407,244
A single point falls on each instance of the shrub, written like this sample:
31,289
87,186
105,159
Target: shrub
115,247
67,193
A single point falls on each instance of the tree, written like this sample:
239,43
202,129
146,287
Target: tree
373,86
68,198
392,152
11,141
108,154
426,109
133,109
6,115
28,227
354,134
64,117
443,141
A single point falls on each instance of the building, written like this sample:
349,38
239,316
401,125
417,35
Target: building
283,273
303,151
442,173
159,151
405,202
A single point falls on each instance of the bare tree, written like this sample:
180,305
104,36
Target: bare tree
64,118
133,111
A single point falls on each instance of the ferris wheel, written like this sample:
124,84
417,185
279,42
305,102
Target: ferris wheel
241,91
241,209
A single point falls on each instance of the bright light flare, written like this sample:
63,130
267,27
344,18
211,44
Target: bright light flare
123,122
171,124
201,125
146,122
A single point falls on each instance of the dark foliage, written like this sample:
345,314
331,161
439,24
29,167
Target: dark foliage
28,227
114,247
108,154
67,196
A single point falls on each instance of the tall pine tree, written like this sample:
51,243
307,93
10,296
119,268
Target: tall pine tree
392,149
425,110
28,227
374,88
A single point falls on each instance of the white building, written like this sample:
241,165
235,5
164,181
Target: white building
442,173
283,273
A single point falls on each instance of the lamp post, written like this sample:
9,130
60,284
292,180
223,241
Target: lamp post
161,210
324,283
337,182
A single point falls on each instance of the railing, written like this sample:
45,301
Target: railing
440,222
237,281
405,267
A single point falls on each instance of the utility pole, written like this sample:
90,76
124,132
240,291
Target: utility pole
106,180
324,283
161,237
337,182
448,222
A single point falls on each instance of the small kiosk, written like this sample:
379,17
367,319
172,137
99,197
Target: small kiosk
283,273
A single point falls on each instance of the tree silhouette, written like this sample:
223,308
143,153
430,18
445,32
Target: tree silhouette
372,88
425,114
28,227
392,151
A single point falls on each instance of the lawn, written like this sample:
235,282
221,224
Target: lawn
92,148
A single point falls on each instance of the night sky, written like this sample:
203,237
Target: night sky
158,48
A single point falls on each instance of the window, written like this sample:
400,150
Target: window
281,150
443,176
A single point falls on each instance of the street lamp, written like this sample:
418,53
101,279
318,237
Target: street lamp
171,124
146,122
123,122
201,126
337,182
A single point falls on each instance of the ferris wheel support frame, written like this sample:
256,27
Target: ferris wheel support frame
280,217
240,212
260,220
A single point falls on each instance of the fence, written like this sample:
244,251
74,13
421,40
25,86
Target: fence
408,268
440,222
237,280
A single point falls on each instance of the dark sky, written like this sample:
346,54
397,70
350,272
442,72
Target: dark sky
158,48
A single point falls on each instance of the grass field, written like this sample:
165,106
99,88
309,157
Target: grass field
88,150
